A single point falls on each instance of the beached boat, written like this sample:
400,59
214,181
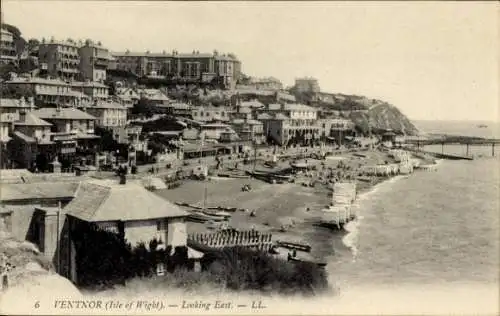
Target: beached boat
319,264
201,217
294,245
222,214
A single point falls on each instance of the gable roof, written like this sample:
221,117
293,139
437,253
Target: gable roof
62,114
98,201
32,120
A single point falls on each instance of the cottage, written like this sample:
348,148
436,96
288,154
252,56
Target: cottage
141,214
128,209
72,132
108,114
127,96
31,140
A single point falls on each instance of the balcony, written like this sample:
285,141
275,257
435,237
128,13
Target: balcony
100,62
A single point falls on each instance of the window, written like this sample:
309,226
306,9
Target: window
161,225
160,269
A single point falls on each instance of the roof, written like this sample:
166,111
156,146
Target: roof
97,201
255,91
274,106
39,190
107,105
180,106
253,104
264,116
254,122
211,108
286,96
245,110
62,114
280,116
299,107
13,103
32,120
24,137
37,80
215,125
238,121
6,174
92,84
82,135
153,94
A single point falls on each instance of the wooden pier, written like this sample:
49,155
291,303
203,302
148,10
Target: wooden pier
444,156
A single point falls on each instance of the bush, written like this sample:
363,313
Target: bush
242,269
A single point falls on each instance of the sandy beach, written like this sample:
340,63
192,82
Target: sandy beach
292,204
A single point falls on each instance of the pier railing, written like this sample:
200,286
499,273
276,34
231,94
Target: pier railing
228,239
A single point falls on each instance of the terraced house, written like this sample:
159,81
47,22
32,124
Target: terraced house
72,132
7,47
194,67
47,91
108,113
61,58
94,90
94,60
293,124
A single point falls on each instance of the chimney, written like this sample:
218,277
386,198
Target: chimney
22,116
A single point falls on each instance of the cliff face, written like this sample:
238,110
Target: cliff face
383,117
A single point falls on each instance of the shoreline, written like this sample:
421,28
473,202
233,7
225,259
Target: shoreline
296,206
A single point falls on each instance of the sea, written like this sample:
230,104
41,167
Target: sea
428,242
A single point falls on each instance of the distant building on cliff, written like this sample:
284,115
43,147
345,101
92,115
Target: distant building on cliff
192,67
307,85
94,61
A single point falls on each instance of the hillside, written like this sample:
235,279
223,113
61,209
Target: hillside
30,277
383,117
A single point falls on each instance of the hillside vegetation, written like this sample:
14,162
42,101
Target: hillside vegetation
382,117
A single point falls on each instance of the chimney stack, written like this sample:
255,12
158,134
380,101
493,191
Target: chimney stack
22,116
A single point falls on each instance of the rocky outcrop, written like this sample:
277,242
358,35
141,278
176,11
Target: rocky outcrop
383,117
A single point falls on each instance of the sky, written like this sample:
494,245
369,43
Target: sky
433,60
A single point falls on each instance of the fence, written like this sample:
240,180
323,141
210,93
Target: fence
226,239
